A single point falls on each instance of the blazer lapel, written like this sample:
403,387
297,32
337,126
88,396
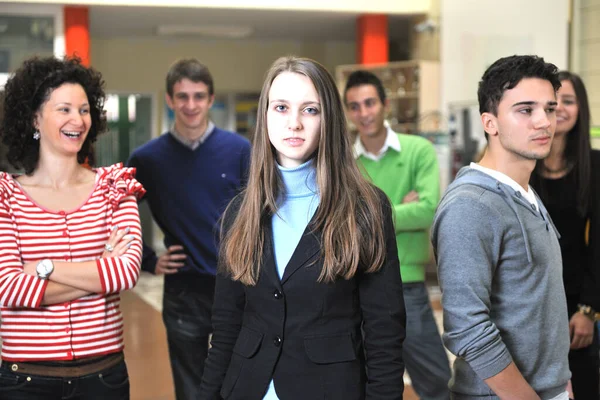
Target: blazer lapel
268,261
309,245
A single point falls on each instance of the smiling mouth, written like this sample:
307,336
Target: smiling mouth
72,135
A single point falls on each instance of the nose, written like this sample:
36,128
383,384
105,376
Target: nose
544,120
362,110
190,103
77,119
294,123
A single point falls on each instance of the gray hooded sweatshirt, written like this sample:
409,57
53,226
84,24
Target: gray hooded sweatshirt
500,271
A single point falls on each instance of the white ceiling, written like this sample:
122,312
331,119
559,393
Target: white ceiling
119,21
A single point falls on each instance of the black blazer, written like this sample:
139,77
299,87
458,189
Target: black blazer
317,341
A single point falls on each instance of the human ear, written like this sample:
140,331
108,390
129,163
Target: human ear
36,120
490,123
169,101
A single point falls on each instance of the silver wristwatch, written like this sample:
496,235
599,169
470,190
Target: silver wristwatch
44,268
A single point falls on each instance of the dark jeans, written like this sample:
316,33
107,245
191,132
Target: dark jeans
187,306
424,355
111,383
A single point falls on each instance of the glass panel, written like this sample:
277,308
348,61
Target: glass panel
22,37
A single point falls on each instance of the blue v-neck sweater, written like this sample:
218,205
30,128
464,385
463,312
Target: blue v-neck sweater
297,205
188,190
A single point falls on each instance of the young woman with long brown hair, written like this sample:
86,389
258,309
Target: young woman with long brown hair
568,183
308,300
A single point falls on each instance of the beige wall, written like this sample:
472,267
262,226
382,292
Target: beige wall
426,45
237,65
140,65
474,33
586,53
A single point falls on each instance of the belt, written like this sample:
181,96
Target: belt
65,370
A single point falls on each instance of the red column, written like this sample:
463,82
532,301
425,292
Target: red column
372,45
77,33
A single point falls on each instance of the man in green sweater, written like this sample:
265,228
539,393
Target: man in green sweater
405,167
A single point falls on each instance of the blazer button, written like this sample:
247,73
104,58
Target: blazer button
277,341
277,294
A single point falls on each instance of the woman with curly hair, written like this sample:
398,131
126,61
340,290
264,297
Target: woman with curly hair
70,239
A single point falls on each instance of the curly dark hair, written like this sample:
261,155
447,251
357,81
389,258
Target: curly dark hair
25,93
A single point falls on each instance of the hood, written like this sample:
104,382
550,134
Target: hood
512,197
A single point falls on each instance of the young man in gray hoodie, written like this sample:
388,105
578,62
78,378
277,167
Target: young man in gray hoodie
499,260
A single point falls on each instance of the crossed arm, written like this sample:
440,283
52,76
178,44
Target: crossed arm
114,272
418,207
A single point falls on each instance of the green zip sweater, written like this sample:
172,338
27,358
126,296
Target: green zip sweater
414,167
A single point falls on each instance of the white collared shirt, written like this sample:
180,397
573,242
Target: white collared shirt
528,194
391,142
193,144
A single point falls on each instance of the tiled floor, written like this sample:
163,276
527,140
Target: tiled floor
146,344
146,350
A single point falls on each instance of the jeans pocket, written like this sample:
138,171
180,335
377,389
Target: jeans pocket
115,377
10,381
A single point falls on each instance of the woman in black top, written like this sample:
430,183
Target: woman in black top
568,182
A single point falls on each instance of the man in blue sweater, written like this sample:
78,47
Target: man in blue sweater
190,174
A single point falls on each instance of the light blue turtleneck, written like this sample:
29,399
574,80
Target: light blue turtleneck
297,205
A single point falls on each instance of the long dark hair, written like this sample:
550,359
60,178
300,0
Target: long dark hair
350,212
577,150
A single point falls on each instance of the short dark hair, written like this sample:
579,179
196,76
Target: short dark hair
362,77
506,73
191,69
28,89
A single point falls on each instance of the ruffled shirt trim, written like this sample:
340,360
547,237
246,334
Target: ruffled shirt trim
115,181
118,182
7,185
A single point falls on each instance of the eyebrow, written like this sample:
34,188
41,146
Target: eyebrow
66,103
183,93
287,101
364,100
533,103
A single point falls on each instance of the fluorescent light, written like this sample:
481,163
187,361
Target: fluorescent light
222,31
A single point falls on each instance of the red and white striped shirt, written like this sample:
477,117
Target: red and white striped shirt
91,325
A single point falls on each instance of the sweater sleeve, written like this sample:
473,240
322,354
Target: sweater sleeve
467,239
17,289
122,191
419,215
